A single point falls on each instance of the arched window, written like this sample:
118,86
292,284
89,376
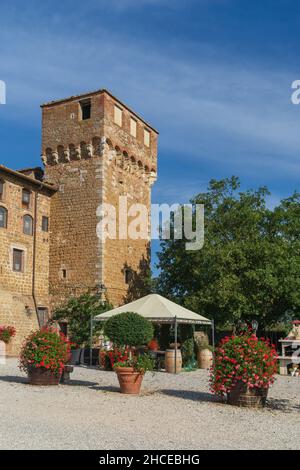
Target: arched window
3,217
28,225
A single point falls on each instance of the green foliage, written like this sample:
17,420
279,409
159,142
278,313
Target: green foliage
249,266
129,329
187,350
142,363
78,312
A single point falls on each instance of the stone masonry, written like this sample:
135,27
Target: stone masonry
94,161
22,293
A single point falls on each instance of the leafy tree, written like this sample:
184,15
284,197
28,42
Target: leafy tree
78,312
249,267
129,329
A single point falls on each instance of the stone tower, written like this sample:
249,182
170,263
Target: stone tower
95,149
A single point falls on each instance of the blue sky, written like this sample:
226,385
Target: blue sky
214,76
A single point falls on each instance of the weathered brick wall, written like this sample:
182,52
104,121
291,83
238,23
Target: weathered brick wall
17,306
94,161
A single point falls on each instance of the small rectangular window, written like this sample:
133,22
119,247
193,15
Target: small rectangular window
133,126
3,217
118,115
45,224
64,274
1,190
26,196
18,260
146,138
85,109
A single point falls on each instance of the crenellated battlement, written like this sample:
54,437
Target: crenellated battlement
117,156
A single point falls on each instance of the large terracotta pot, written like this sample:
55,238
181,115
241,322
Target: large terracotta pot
42,376
129,380
204,358
242,395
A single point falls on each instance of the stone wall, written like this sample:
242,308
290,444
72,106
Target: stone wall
17,306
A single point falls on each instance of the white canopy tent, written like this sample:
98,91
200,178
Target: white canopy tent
158,309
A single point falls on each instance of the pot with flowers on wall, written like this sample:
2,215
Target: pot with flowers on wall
243,369
6,335
44,356
127,331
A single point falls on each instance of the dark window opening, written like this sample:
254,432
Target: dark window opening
128,276
45,224
64,274
43,316
3,217
18,260
85,107
1,189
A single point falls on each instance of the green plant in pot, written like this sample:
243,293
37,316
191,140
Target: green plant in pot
130,330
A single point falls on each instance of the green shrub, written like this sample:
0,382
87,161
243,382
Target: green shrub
187,350
128,329
78,311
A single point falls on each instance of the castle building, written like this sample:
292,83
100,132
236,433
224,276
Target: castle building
94,150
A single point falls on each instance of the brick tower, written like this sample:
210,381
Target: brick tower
95,149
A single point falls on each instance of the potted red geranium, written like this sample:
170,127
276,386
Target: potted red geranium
243,369
44,355
6,334
127,331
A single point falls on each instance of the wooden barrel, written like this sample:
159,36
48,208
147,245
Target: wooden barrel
170,361
204,357
241,395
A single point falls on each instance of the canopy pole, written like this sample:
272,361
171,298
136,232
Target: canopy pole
91,340
176,325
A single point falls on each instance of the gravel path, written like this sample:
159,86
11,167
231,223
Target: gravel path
173,412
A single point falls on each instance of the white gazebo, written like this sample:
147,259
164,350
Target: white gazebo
158,309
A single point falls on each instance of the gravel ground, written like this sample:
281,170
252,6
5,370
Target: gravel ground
172,413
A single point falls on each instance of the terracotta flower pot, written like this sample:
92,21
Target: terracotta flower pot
129,380
42,376
153,345
242,395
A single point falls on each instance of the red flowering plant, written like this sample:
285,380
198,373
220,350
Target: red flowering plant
243,358
6,333
45,348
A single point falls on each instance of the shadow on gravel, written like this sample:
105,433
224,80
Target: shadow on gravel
191,395
107,388
285,406
80,383
14,379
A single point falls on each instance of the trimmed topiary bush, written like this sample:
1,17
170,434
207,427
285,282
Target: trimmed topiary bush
129,329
